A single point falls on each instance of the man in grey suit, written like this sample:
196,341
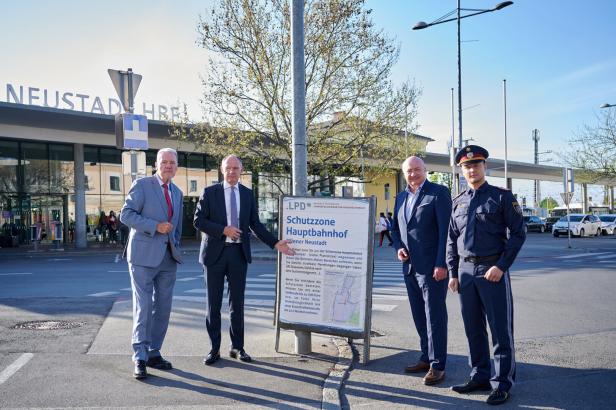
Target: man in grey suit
153,211
226,213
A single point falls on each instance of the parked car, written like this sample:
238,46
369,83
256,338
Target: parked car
550,221
534,223
581,225
608,224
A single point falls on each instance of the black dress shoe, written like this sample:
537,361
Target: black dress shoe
497,397
241,353
471,386
159,363
140,372
212,357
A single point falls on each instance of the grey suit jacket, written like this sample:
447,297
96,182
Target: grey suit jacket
143,209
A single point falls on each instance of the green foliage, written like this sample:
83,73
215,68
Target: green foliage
548,203
354,113
593,150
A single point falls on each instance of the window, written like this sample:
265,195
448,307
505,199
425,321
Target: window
193,185
114,183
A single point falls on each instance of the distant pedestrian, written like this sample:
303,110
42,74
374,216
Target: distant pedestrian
385,228
479,254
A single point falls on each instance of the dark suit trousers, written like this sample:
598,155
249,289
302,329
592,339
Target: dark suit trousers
232,266
427,299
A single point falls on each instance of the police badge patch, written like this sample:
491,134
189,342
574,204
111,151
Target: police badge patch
516,207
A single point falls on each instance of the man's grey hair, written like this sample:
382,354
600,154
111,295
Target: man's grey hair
228,157
161,151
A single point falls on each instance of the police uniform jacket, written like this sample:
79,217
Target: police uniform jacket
478,229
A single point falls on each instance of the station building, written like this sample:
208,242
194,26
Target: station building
46,152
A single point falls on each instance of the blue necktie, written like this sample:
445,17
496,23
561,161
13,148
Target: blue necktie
233,207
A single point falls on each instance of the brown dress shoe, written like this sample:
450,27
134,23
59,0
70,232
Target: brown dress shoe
434,377
417,367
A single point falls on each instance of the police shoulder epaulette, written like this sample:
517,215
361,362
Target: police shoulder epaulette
458,196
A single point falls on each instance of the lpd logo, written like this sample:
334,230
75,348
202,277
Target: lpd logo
296,205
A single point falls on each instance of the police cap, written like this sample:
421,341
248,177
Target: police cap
471,154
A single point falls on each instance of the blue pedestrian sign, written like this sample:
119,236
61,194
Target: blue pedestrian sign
131,131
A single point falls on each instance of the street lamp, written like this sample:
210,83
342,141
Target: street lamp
444,19
607,105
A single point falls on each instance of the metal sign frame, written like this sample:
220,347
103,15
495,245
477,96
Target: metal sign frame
331,330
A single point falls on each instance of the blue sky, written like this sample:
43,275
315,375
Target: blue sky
557,56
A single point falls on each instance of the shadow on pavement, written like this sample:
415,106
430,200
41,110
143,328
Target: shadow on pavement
537,385
244,393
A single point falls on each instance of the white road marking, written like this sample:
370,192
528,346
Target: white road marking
273,280
247,302
117,258
267,275
187,279
383,308
199,291
129,289
117,271
390,297
15,366
15,273
58,260
259,292
611,255
578,255
100,294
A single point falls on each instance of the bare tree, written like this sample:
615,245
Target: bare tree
354,113
593,149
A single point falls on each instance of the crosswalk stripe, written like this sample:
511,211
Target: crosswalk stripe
100,294
578,255
611,255
247,302
383,308
187,279
390,297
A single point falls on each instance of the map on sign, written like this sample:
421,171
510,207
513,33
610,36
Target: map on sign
342,298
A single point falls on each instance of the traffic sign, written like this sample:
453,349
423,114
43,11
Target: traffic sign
566,196
131,131
123,81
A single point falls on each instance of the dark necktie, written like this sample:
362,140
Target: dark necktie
469,234
233,207
169,205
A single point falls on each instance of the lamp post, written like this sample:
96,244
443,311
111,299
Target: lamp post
444,19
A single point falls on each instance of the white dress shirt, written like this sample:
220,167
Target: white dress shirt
227,188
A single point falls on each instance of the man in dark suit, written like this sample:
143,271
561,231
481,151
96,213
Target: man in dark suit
153,211
419,232
225,213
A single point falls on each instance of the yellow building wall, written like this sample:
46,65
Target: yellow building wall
377,188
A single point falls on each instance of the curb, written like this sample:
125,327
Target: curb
337,375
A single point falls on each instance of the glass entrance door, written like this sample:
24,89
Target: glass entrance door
47,218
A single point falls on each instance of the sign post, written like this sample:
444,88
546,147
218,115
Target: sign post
326,287
131,129
569,187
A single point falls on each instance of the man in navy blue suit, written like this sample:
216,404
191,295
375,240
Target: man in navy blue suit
226,213
419,232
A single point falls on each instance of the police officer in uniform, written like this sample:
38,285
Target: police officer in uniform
479,254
